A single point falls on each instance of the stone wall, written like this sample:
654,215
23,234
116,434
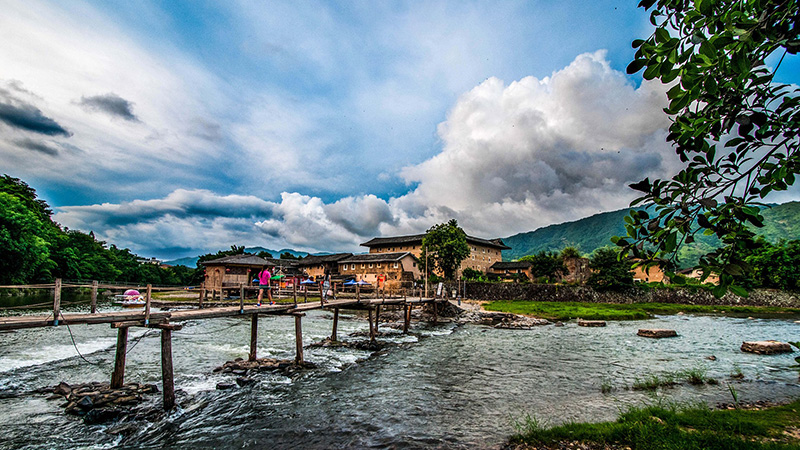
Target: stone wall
562,293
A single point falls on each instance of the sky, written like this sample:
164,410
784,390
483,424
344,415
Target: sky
181,128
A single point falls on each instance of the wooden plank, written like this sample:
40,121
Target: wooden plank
253,337
167,376
118,376
57,302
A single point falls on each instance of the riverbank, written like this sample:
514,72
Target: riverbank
561,311
671,426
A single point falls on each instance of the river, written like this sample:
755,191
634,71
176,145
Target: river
444,386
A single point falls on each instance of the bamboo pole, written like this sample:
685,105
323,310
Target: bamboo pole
94,296
253,337
147,305
335,324
118,376
167,375
298,336
57,302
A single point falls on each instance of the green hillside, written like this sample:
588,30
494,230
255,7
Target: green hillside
591,233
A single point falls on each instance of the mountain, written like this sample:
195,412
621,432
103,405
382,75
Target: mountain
191,261
590,233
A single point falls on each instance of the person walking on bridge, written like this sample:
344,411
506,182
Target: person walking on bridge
264,283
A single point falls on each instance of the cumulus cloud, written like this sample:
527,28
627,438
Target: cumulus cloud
111,104
519,156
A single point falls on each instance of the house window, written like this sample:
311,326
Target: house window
353,267
344,267
362,265
379,265
370,265
396,265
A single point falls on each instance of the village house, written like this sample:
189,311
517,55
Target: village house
483,252
395,268
653,274
230,272
314,267
511,269
697,274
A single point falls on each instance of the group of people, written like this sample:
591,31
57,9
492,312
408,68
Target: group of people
265,280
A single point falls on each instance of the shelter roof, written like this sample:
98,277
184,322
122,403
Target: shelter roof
245,259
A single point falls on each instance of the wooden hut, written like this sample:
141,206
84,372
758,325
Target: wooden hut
230,272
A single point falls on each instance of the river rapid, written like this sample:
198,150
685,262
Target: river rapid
443,386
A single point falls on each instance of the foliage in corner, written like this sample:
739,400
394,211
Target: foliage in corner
609,273
734,127
444,247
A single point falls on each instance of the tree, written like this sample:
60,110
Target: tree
609,273
444,247
287,255
472,274
570,253
734,127
24,248
545,265
775,266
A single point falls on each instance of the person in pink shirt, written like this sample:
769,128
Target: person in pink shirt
264,283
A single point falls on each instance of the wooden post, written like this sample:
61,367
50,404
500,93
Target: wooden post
253,337
406,317
201,297
321,302
118,376
298,332
57,302
241,298
167,377
435,312
358,293
371,327
94,296
294,290
147,304
335,324
305,293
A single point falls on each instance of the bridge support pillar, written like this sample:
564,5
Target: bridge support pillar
377,313
253,337
335,324
371,327
406,318
118,376
298,332
167,375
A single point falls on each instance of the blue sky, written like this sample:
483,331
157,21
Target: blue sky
177,128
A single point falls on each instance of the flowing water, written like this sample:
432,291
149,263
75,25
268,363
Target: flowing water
444,386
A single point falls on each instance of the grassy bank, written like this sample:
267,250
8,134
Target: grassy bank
617,311
671,427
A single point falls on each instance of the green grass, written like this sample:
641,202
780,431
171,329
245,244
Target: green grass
620,311
676,427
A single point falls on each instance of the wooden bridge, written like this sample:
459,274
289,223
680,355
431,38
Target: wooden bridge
168,321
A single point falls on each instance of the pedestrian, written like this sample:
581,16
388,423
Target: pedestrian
264,283
326,285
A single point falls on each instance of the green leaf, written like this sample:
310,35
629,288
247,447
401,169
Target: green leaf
636,65
738,290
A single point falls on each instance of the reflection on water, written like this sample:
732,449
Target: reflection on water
445,387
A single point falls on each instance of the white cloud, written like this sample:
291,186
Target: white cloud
513,158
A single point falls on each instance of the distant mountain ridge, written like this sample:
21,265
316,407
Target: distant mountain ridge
593,232
191,261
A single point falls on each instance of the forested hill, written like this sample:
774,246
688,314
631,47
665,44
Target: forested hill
780,222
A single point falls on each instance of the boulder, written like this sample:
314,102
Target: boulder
656,333
591,323
766,347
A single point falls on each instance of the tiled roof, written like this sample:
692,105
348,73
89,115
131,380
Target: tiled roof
245,259
508,265
375,257
312,260
417,238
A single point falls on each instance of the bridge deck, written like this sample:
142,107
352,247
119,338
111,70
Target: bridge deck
37,321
